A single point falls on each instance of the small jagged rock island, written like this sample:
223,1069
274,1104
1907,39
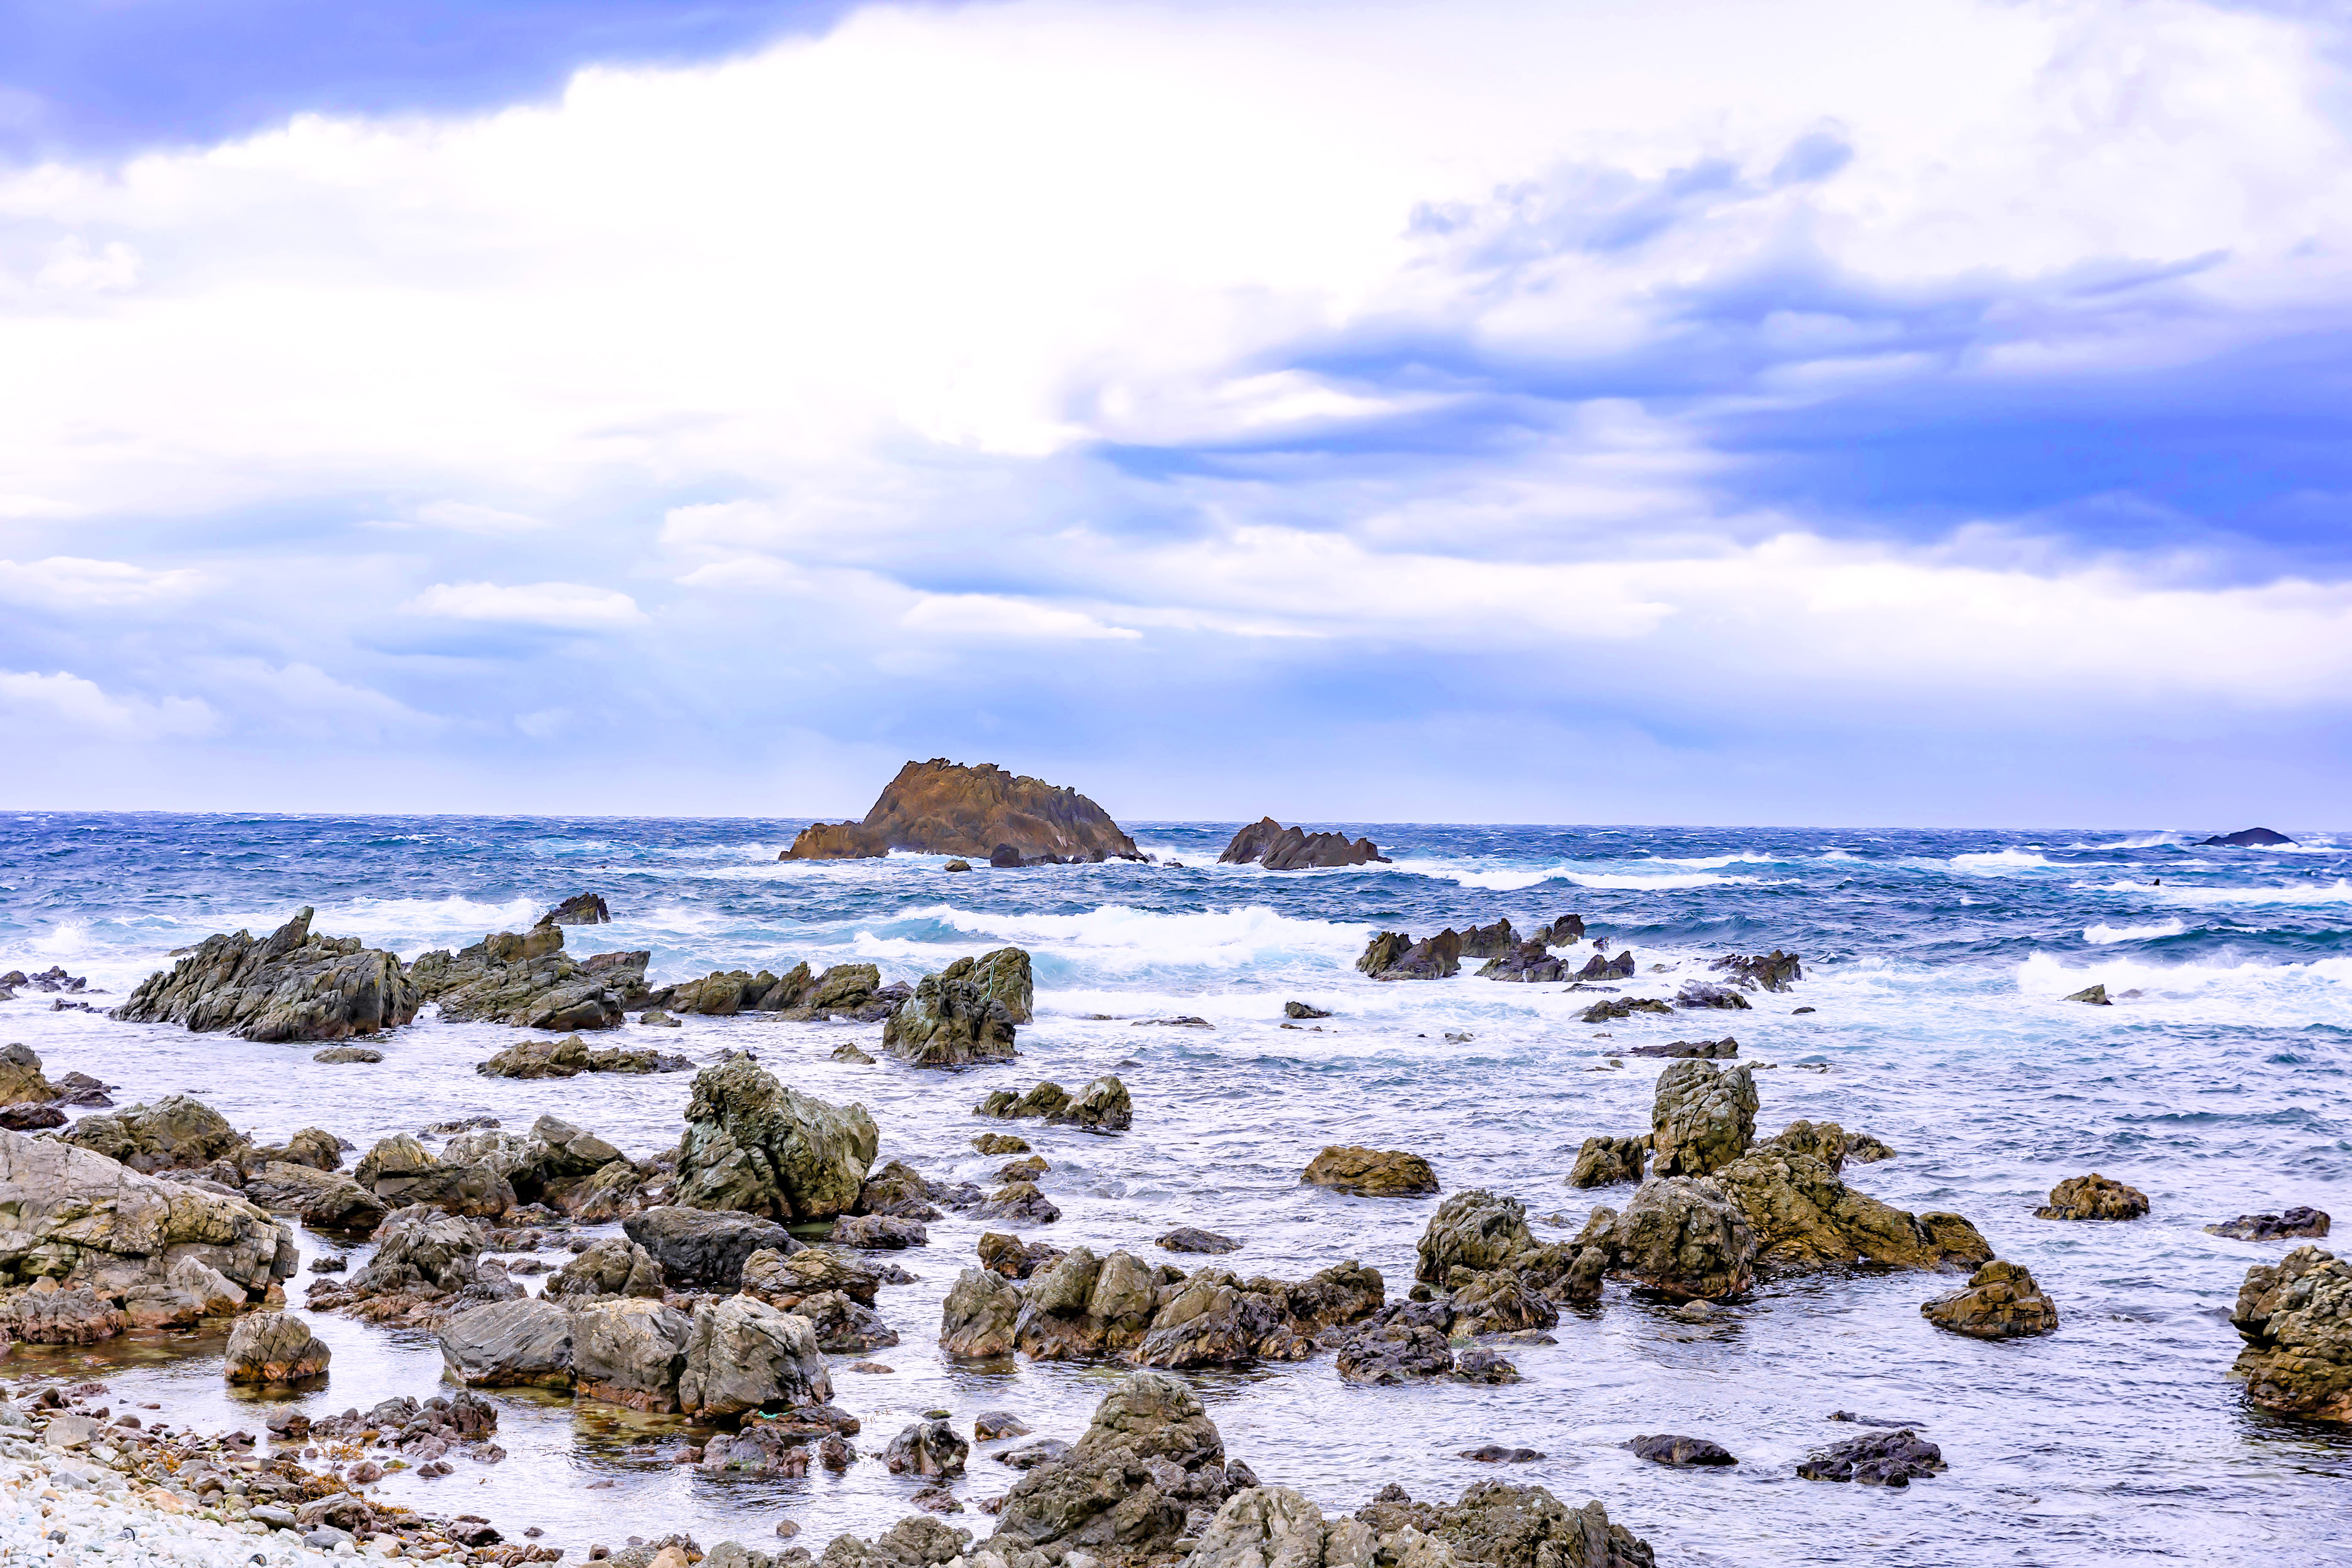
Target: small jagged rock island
941,807
2249,838
1268,843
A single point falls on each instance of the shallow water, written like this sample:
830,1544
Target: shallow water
1936,962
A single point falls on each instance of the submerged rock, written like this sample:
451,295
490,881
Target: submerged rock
1775,971
2001,1303
1722,1050
572,1056
1370,1172
2293,1223
1278,848
939,808
2295,1316
753,1144
1875,1460
1681,1453
2093,1198
1103,1106
288,986
2097,996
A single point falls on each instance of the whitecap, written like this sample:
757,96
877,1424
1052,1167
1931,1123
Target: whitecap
2104,935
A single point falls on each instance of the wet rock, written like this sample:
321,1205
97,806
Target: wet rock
990,1426
656,1019
1703,1118
288,986
1370,1172
927,1449
2093,1198
1875,1460
976,1320
1012,1258
1681,1453
877,1232
1300,1010
1606,1011
1102,1106
528,980
572,1056
744,1355
1021,1204
1724,1049
1148,1460
940,808
1508,1527
2097,996
23,1117
176,1132
1684,1237
1080,1305
783,1280
1805,1218
400,1171
1001,1143
1621,967
846,1052
2247,838
844,1327
337,1054
754,1146
579,910
1775,971
1216,1318
1498,1453
1605,1161
1394,955
2293,1223
1187,1238
1483,1366
324,1200
1003,977
630,1351
705,1248
1278,848
421,1254
1698,993
524,1343
2001,1303
2295,1316
274,1347
950,1023
610,1267
1861,1149
1404,1343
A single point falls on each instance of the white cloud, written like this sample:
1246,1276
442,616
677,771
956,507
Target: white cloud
468,517
71,582
995,616
570,605
69,701
304,698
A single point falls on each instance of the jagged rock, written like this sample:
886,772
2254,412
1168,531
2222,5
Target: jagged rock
1805,1218
288,986
175,1133
1001,1143
939,808
1475,1231
1002,975
1370,1172
1684,1237
1622,1008
846,1052
878,1232
1012,1257
528,980
1506,1526
1149,1457
400,1171
572,1056
1278,848
1775,971
273,1347
2295,1316
950,1022
1604,1162
2097,996
755,1145
1723,1050
1601,967
427,1266
897,1188
1698,993
89,1247
1703,1118
1394,955
524,1343
744,1355
324,1200
977,1317
843,1326
579,910
2295,1222
1186,1238
1083,1306
1877,1459
784,1280
2247,838
2001,1303
1861,1149
1528,962
26,1118
1681,1453
2094,1196
630,1352
21,1080
1103,1106
927,1449
610,1267
1216,1318
700,1247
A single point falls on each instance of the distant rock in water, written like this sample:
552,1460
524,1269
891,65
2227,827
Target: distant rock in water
288,986
2294,1222
1722,1050
941,807
2247,838
526,979
1775,971
1394,955
579,910
2001,1303
2094,1196
2295,1316
1267,843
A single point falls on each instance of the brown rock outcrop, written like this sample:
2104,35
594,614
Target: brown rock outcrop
2094,1196
941,807
1268,843
1370,1172
2295,1316
2001,1303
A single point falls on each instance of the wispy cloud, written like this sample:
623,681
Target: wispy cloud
570,606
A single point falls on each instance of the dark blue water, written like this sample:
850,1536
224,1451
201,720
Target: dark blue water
1936,962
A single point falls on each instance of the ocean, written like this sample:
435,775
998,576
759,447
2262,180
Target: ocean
1935,964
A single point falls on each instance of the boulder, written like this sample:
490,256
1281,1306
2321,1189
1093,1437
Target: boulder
1002,975
1875,1460
940,808
927,1449
1302,1010
1698,993
1504,1525
977,1317
2293,1223
2001,1303
1528,962
2295,1316
1278,848
1394,955
571,1055
843,1327
1475,1231
1774,971
274,1347
323,1200
524,1343
1805,1218
1188,1238
175,1133
1081,1306
2097,996
783,1280
400,1171
1601,967
340,1055
1216,1318
1000,1144
1370,1172
1103,1106
288,986
2094,1196
527,979
1149,1460
630,1351
886,1233
950,1023
1681,1453
579,910
89,1247
753,1144
21,1082
1703,1118
1011,1257
610,1267
743,1355
1622,1008
1684,1237
702,1248
1861,1149
1605,1161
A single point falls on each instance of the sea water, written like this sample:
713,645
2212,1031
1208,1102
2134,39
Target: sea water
1935,964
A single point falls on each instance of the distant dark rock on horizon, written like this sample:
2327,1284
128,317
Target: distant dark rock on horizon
1268,843
2247,838
940,808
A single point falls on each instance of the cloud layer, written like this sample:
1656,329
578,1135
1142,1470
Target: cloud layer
1829,412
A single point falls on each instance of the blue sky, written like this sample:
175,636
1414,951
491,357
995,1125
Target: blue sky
1815,412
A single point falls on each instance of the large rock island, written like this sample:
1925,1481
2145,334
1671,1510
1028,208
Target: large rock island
941,807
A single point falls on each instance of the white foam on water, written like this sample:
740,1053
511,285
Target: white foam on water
1120,933
2106,935
1993,862
1511,880
2311,892
2276,993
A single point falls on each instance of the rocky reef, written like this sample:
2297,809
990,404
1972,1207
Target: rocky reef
526,979
288,986
1268,843
2295,1316
965,1014
941,807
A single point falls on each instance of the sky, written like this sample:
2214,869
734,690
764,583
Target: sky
1825,411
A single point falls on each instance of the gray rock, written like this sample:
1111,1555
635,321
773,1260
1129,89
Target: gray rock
977,1317
754,1146
1187,1238
526,979
274,1347
176,1132
743,1355
1703,1118
1149,1457
288,986
927,1449
521,1343
1681,1453
702,1248
630,1351
1684,1237
610,1267
1605,1161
